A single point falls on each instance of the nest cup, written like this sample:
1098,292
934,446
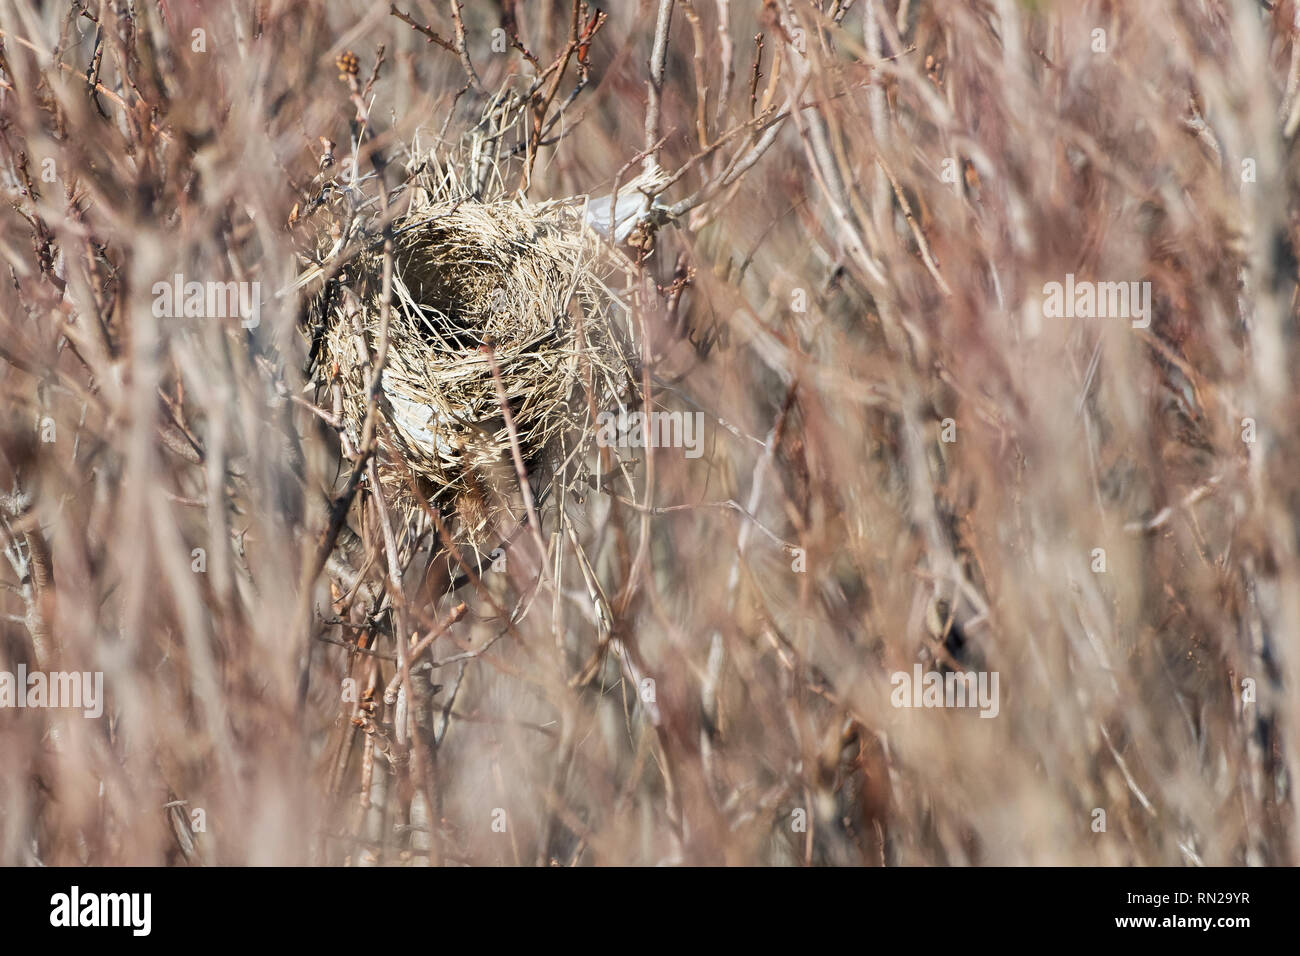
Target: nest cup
487,298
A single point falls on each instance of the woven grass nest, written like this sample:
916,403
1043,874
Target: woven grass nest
476,284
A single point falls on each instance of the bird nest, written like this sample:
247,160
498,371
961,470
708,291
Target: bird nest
502,339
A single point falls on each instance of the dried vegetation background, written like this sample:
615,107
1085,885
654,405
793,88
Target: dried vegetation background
871,197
